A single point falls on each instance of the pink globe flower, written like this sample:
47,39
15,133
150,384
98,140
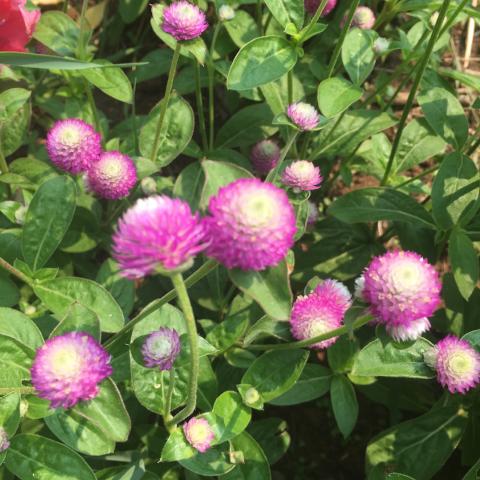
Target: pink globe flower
161,348
113,176
17,25
199,434
157,234
457,364
4,441
184,21
320,312
68,369
303,115
251,224
265,156
73,145
302,175
403,290
312,5
363,18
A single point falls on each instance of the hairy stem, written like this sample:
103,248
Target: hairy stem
211,86
273,173
17,273
21,390
201,112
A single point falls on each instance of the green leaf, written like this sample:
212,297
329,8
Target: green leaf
217,175
177,131
15,357
342,353
375,204
270,288
393,360
335,95
10,413
287,11
419,447
464,261
130,10
272,436
235,415
32,456
246,127
214,462
357,55
59,294
58,32
261,61
275,372
20,327
313,383
444,113
242,28
455,191
48,217
228,332
189,184
14,118
255,466
9,292
344,404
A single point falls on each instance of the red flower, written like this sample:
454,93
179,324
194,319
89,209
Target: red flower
16,25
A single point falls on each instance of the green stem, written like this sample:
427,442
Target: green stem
360,322
273,173
201,112
290,87
164,103
186,306
338,47
313,21
195,277
17,273
21,390
211,86
413,90
3,162
82,37
93,106
416,177
168,403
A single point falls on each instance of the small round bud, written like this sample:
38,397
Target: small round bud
148,186
265,156
313,213
161,348
251,396
225,13
23,407
381,45
20,214
4,441
363,18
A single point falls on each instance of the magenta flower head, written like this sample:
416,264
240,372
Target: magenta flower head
161,348
73,145
457,364
363,18
68,369
4,441
113,176
312,5
157,234
199,434
251,224
184,21
320,312
265,156
302,175
403,290
303,115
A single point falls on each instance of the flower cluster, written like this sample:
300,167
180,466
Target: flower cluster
312,5
363,18
403,290
69,368
320,312
199,434
161,348
17,25
302,175
184,21
265,156
75,147
303,115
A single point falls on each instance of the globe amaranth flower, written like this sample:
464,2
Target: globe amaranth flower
363,18
157,234
457,364
199,434
265,156
161,348
303,115
403,290
251,225
312,5
73,145
184,21
381,45
113,176
320,312
68,369
302,175
17,25
226,13
4,441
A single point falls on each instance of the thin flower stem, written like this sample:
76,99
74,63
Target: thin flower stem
186,306
201,112
360,322
195,277
17,273
271,177
171,385
338,47
164,103
3,162
290,87
21,390
313,21
211,86
93,106
413,90
416,177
